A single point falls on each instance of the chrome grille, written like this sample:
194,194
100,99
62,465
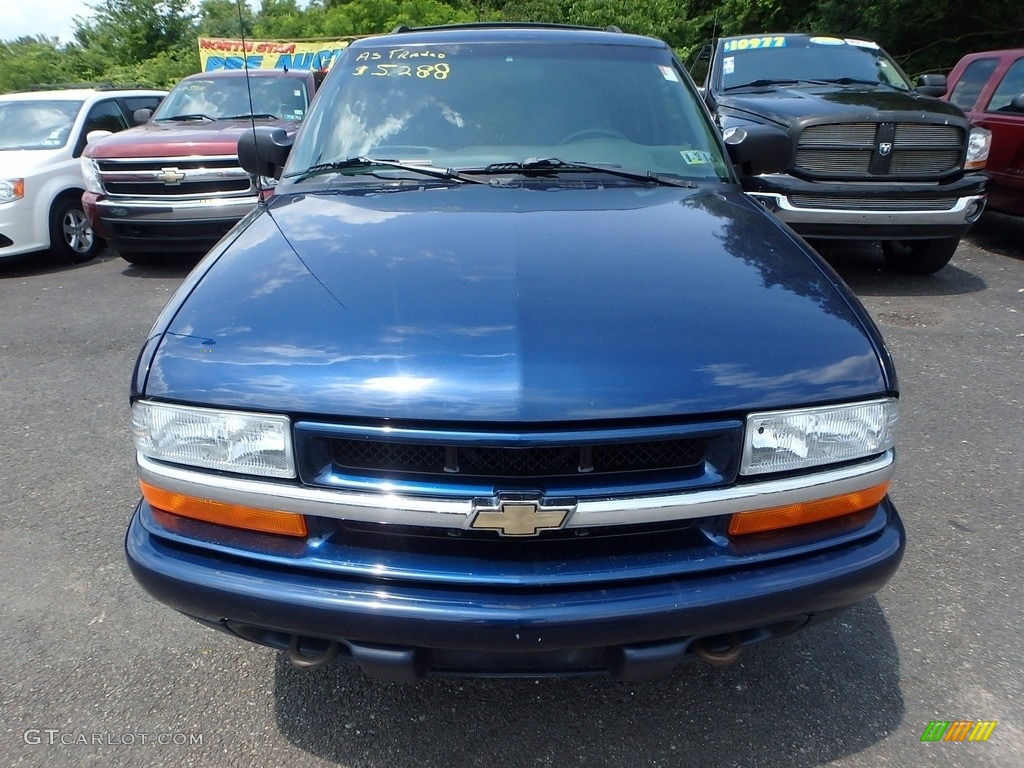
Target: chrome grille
924,134
184,189
178,178
840,135
851,151
925,162
872,203
834,162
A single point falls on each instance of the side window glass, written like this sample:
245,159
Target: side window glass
104,116
1011,85
141,102
968,88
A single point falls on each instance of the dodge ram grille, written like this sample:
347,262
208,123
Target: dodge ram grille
893,150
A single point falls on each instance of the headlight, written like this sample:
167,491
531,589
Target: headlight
91,174
11,190
232,441
781,441
978,146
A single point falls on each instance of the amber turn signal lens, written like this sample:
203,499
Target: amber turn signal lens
219,513
807,512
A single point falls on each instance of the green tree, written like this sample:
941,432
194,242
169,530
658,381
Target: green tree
283,19
162,71
225,18
924,37
32,61
367,17
125,32
155,42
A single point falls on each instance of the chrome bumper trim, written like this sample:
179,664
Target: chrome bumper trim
396,509
781,206
175,211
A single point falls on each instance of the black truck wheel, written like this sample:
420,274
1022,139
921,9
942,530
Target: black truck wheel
919,257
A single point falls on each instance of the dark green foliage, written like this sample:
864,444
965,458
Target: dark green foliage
155,42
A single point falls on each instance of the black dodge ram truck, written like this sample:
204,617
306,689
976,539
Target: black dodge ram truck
875,158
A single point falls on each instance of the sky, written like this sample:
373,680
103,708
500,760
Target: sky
53,18
50,17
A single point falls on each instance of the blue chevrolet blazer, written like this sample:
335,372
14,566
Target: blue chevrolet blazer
509,377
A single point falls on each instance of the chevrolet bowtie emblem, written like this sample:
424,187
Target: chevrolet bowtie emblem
519,518
171,176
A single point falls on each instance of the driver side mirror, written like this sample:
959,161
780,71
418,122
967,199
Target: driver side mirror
94,136
263,151
931,85
141,116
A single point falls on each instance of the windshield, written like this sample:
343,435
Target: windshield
760,61
227,97
36,124
484,105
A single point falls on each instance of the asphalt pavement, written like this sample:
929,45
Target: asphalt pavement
95,673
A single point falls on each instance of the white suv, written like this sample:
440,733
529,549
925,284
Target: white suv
42,135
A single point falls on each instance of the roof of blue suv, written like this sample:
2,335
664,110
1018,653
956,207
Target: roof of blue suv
484,31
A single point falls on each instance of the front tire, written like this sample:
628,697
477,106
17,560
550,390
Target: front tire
72,237
919,257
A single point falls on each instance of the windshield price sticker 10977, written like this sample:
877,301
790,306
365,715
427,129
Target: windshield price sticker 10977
751,43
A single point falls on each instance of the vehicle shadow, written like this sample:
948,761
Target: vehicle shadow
1000,234
862,267
805,700
172,265
43,263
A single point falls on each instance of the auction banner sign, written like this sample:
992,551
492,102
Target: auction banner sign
234,53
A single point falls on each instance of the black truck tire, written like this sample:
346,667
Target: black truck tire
919,257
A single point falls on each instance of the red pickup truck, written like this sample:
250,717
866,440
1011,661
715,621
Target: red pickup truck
174,185
989,87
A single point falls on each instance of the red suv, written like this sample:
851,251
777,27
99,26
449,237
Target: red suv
174,185
989,87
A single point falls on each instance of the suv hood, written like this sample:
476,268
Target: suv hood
787,106
530,305
177,139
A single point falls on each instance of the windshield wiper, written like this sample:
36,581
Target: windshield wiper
366,163
182,118
543,165
764,82
857,81
253,116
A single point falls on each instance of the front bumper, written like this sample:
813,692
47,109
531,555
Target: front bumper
155,225
403,628
20,229
871,211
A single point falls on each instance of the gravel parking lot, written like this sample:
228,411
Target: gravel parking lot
97,674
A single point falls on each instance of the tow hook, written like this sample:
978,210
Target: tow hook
299,659
709,649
